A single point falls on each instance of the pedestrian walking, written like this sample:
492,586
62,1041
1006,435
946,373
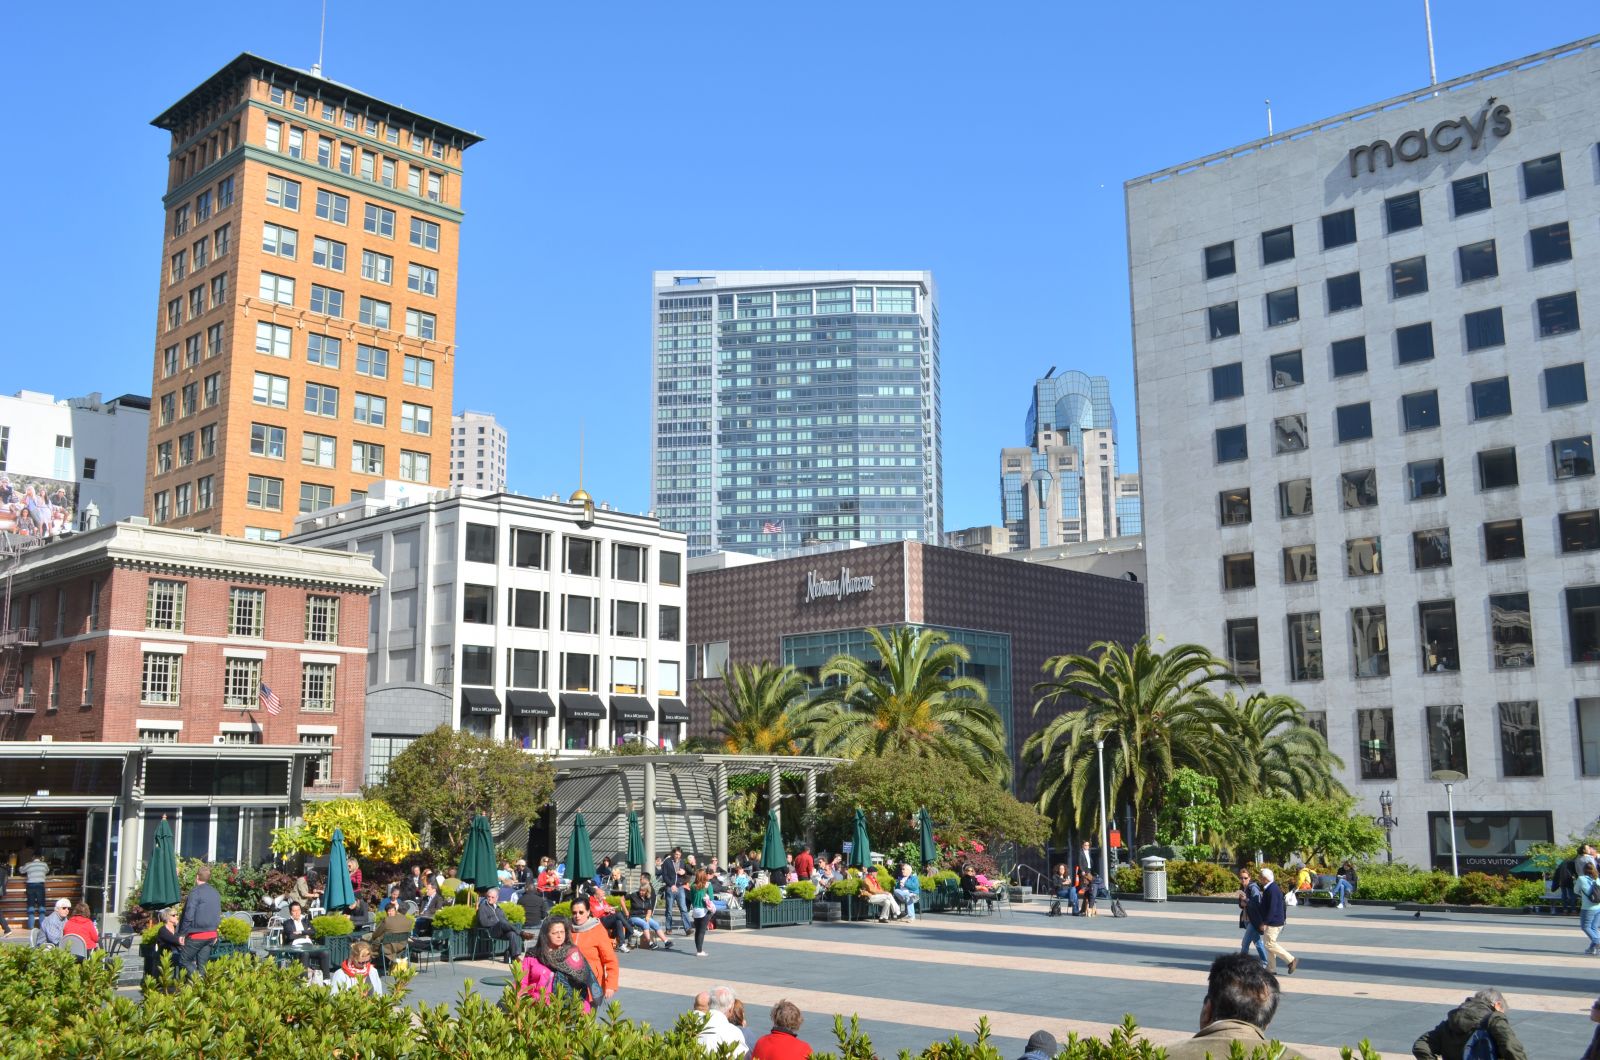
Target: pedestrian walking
1274,914
197,925
1483,1012
1589,910
1565,881
700,910
1250,915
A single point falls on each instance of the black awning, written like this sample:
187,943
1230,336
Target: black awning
582,705
674,711
526,704
631,708
480,701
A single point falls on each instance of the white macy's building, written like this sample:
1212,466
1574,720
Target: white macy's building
1366,353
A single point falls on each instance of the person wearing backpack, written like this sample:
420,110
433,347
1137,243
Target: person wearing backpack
1589,915
1477,1029
1565,880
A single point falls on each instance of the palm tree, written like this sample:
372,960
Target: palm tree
1149,707
764,710
911,701
1286,756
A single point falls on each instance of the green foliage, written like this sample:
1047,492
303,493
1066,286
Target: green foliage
908,852
1192,811
372,829
963,807
1478,888
1522,893
801,889
1200,877
515,914
460,917
1274,750
848,887
1321,831
444,778
234,930
764,709
1198,852
1129,878
331,925
765,894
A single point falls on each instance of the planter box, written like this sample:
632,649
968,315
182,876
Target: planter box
338,947
787,913
477,936
854,907
227,949
457,944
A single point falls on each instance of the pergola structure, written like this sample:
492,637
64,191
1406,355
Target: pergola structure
680,797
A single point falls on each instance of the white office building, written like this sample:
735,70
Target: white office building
556,624
477,452
1362,351
76,452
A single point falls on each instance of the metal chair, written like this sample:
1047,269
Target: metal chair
381,956
422,945
76,946
275,931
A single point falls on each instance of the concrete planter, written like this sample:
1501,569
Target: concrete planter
788,913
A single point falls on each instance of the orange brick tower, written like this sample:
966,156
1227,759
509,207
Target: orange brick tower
305,332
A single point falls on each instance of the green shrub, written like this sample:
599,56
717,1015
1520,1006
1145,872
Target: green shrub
1129,879
848,887
766,894
149,934
1402,883
514,912
331,924
1201,877
1155,850
1523,892
236,931
801,889
1478,888
455,917
562,909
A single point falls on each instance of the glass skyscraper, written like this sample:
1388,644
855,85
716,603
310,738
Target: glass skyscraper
796,408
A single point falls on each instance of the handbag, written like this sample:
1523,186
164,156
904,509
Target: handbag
1244,920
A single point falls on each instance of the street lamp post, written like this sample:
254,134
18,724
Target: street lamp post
1450,778
1105,852
1387,821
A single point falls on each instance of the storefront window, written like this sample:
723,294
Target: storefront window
1487,842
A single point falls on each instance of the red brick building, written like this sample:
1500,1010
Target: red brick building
154,655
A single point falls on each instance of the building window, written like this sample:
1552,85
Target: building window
1338,229
420,325
477,604
1287,370
316,687
1239,571
378,221
271,390
246,612
1227,381
1244,649
205,494
372,361
1541,176
1485,329
577,671
319,770
1550,244
1425,479
1349,357
315,498
322,400
1294,498
525,668
1497,468
1503,539
1409,277
161,503
316,449
1277,245
579,614
671,568
1511,631
580,557
275,288
1289,434
1470,194
1583,622
1305,646
1299,564
1441,651
379,268
324,350
417,371
477,664
1403,212
267,440
414,466
1521,750
1565,385
1223,320
526,608
627,563
1234,506
322,619
1369,639
282,192
669,620
627,619
1478,261
424,234
366,458
329,301
1354,421
1430,549
163,606
241,683
88,678
1283,307
1589,735
1491,398
528,549
1420,411
422,279
1580,531
1414,343
160,679
416,419
1363,557
1375,732
1558,314
1344,292
1219,261
208,440
1447,738
1231,444
480,543
1574,457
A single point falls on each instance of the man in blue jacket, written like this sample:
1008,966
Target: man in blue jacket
1274,914
197,926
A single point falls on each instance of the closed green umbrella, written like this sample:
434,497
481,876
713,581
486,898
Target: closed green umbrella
635,856
860,845
161,872
772,856
341,893
477,860
580,854
928,849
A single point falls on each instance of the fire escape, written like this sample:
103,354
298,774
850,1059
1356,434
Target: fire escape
15,638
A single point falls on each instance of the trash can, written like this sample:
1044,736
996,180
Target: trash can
1155,879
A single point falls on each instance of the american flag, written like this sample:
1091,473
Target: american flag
770,527
269,699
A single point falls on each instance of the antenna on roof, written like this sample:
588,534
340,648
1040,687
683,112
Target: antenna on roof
1427,18
322,36
1269,117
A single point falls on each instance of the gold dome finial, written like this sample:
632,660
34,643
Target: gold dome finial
580,496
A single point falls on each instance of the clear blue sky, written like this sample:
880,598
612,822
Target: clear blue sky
988,144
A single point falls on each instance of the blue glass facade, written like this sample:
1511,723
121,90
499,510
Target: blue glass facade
791,413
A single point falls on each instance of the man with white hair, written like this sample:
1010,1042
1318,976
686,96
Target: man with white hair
717,1030
1274,914
51,926
1485,1011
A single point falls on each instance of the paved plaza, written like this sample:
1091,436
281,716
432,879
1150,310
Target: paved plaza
1367,972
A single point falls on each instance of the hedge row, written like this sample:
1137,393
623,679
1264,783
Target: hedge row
1378,883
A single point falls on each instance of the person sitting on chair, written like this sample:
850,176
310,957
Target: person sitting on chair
1065,891
492,919
297,927
81,926
430,902
395,923
51,926
879,899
